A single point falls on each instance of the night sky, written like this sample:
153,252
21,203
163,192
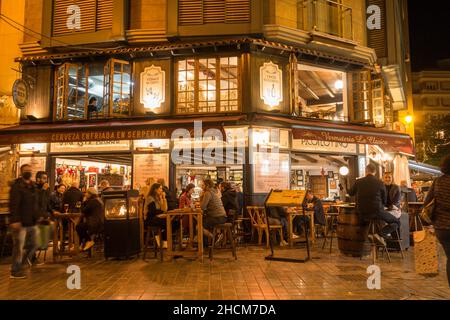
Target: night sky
429,23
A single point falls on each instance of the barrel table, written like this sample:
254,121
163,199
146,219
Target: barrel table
351,234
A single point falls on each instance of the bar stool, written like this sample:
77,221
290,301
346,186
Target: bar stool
397,240
374,246
226,230
152,232
332,223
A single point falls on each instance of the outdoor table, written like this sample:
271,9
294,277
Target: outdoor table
196,214
58,235
414,209
291,214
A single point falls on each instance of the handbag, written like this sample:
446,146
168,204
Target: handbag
427,212
425,252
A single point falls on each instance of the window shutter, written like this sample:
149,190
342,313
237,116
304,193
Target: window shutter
361,97
214,11
95,15
378,101
237,11
190,12
195,12
377,39
104,14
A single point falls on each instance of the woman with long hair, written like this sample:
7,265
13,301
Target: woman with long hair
211,204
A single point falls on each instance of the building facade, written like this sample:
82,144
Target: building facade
119,88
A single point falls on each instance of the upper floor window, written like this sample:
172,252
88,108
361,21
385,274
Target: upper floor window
213,11
97,90
208,85
321,93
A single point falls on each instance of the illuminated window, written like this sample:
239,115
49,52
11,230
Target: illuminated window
117,88
208,85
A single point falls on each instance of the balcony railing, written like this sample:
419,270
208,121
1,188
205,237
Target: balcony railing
325,16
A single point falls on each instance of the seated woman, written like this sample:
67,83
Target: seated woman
186,197
156,208
211,204
91,222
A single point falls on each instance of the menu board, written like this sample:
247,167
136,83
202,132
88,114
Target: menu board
150,166
36,163
270,171
286,198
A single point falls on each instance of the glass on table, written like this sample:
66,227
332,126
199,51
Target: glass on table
66,208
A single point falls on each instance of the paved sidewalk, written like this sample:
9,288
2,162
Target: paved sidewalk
250,277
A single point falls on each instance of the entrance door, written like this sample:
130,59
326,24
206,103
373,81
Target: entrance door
319,186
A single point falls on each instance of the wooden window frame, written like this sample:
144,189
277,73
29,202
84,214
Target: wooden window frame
355,78
108,88
218,87
65,90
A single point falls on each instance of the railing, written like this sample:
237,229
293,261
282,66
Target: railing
323,115
325,16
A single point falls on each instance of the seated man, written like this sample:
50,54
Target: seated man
393,196
277,216
313,203
371,196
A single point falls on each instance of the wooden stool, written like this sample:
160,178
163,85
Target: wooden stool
152,232
331,228
397,240
227,232
374,246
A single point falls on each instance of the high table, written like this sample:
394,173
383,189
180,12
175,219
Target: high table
291,214
58,236
193,214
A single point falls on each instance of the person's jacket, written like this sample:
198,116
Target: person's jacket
71,197
440,192
172,202
229,200
393,197
319,214
155,208
56,202
23,203
43,202
211,204
185,201
370,194
92,210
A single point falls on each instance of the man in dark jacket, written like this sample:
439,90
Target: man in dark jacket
229,200
172,202
310,202
43,195
393,195
73,196
371,197
23,206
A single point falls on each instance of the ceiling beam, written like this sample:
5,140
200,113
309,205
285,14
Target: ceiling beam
321,83
310,91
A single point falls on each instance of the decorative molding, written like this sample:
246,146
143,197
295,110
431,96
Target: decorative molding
146,35
29,48
321,42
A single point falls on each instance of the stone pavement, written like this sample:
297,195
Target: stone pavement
250,277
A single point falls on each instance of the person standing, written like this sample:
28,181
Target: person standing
371,196
240,199
43,195
23,206
73,197
393,195
440,192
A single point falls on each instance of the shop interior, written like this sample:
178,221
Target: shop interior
90,170
321,93
186,174
320,173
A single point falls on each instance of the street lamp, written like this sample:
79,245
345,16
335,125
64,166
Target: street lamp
408,119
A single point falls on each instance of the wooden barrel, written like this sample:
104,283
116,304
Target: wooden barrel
352,236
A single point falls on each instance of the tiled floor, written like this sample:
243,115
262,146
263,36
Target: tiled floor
250,277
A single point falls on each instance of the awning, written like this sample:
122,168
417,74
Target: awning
107,130
389,141
424,168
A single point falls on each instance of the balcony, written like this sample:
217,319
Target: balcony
325,16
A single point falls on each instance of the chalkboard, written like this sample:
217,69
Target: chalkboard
115,180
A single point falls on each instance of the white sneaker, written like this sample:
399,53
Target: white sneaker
283,243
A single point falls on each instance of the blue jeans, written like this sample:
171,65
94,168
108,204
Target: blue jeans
25,244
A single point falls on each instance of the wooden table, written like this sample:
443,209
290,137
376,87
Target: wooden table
291,214
58,235
196,214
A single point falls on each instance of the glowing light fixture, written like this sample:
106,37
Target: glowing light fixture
339,84
408,119
343,171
